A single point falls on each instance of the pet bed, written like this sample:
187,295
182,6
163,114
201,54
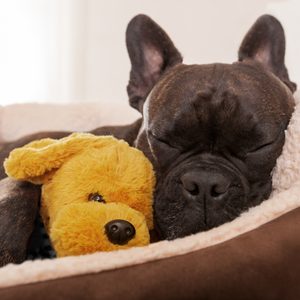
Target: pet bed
256,256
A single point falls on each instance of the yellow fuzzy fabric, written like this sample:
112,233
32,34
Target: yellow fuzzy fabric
74,167
85,233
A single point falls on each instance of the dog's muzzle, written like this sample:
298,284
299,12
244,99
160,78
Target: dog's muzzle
198,194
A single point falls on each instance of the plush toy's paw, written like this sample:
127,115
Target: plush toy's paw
18,209
89,227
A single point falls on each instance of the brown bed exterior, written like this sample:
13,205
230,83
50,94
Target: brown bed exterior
261,264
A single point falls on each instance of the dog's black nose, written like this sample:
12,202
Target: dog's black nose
119,231
205,184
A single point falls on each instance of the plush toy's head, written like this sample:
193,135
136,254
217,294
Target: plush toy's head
96,191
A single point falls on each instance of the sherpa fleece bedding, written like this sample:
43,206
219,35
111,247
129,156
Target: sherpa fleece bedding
256,256
18,120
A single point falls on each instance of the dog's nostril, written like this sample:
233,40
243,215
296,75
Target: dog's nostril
190,186
218,190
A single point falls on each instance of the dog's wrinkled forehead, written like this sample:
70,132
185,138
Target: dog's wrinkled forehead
201,92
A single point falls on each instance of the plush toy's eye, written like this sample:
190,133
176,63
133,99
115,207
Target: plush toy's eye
96,197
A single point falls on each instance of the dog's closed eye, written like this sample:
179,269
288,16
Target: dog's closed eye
261,147
151,134
96,197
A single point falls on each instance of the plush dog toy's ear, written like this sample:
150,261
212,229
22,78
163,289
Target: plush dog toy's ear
36,161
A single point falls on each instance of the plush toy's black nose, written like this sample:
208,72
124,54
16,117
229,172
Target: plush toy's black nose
119,231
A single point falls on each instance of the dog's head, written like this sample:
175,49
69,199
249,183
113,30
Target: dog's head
213,132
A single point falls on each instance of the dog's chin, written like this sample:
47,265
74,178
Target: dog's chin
183,221
175,216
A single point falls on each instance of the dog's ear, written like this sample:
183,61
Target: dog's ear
265,43
151,53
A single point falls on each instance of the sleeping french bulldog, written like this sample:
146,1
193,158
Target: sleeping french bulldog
213,132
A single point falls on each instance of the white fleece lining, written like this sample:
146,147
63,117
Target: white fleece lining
285,198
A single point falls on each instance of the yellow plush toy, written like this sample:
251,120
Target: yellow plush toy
96,191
